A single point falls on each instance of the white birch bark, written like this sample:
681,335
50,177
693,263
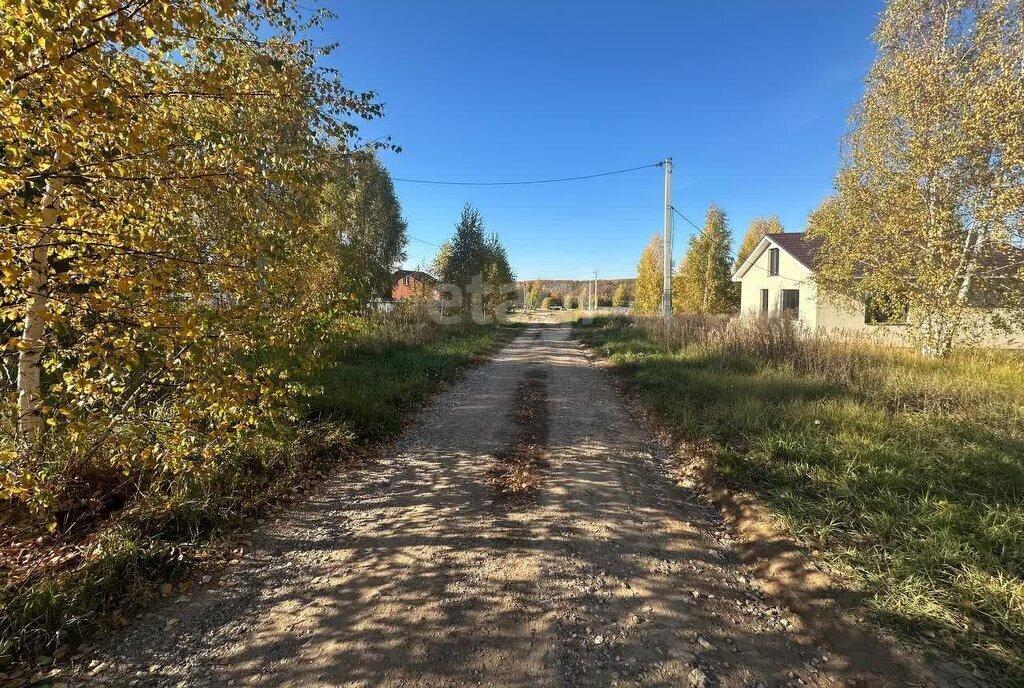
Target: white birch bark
30,419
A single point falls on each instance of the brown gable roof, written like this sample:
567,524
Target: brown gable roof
799,246
997,262
421,276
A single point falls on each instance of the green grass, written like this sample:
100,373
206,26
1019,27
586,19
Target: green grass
364,391
372,387
905,473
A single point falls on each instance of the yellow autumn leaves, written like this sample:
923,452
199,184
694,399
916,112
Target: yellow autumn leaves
163,255
927,215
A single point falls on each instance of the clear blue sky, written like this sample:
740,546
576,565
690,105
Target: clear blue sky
749,97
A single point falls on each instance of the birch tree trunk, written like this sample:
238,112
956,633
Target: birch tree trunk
30,419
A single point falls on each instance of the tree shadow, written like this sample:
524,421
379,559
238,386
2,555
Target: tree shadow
407,574
916,494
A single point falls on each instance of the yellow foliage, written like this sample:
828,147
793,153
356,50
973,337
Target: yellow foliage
649,279
174,265
927,215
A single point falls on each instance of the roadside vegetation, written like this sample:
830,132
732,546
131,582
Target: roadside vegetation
104,565
195,251
904,474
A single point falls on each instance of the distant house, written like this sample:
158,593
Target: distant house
412,284
778,278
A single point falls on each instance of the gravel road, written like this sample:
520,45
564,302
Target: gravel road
410,572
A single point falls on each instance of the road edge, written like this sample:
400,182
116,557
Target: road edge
781,567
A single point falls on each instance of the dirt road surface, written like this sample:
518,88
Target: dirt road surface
411,573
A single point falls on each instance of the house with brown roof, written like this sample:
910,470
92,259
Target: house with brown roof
412,284
777,278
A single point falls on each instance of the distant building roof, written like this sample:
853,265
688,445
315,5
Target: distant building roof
418,274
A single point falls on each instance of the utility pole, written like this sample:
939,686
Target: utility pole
666,293
595,291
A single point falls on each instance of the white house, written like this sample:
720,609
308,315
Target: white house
778,278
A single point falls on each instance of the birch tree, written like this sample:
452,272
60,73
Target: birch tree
758,229
621,296
649,282
704,275
160,167
928,208
361,211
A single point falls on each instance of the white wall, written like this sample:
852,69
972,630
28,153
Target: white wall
792,275
841,315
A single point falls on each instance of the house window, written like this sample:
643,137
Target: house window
885,310
405,280
764,300
773,261
791,301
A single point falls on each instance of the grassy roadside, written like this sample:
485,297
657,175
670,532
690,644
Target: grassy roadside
365,391
904,475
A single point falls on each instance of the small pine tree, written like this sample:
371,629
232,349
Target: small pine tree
467,253
471,255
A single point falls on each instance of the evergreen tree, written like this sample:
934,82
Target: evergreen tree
468,254
704,277
647,299
472,261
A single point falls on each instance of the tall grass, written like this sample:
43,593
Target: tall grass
905,473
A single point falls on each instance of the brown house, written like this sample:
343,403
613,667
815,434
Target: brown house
412,284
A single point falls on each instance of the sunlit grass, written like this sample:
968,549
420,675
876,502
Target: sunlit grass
905,473
364,391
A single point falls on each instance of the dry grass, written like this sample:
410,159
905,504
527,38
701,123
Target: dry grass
518,471
905,473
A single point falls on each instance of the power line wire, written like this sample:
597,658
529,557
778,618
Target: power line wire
423,241
525,182
732,259
688,220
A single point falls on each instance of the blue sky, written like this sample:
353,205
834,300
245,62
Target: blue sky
750,98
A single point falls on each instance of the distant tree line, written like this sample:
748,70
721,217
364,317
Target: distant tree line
572,294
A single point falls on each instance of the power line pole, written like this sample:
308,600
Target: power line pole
666,293
595,291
